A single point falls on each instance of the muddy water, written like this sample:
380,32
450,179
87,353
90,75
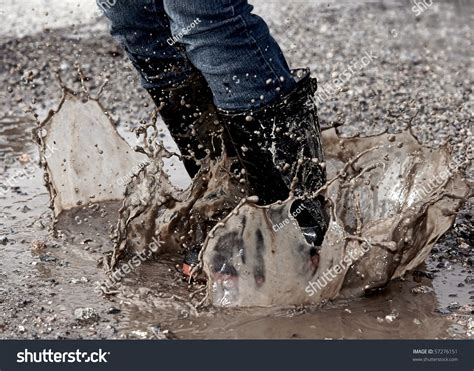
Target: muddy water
59,274
38,295
362,318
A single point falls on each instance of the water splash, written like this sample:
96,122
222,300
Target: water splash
389,200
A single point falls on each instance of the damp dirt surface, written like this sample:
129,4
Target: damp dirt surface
420,74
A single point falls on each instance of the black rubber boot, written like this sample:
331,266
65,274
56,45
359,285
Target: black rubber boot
279,148
189,113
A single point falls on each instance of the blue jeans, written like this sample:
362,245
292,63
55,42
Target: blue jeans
169,40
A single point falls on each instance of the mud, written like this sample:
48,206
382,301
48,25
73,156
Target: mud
44,280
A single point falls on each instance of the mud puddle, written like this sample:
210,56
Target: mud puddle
45,280
393,314
152,300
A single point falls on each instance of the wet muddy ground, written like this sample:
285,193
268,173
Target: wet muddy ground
421,75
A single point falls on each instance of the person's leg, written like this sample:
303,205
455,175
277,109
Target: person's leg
269,115
143,30
234,51
178,89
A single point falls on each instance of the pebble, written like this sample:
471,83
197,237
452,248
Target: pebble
469,280
422,289
140,334
391,317
113,310
38,245
47,258
453,306
86,315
